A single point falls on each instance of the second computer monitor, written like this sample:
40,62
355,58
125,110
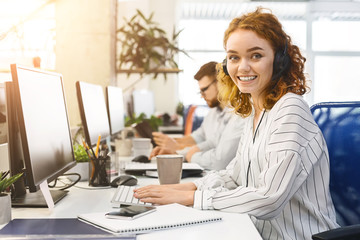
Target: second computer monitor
115,105
93,112
143,102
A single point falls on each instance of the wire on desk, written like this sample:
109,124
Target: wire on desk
66,186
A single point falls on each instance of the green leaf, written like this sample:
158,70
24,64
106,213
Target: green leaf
7,182
80,153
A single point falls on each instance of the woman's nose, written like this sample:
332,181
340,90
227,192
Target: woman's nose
243,66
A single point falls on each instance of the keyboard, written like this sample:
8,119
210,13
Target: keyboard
124,195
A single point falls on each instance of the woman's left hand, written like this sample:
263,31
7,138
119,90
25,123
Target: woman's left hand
164,194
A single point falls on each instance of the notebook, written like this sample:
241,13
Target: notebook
165,217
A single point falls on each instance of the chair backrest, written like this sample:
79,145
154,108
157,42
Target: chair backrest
189,120
340,125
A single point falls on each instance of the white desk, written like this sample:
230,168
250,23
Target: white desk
79,200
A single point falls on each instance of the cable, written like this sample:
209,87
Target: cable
66,185
248,169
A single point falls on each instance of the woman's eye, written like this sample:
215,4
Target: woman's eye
233,58
256,56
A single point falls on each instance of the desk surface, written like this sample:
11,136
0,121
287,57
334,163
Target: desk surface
83,199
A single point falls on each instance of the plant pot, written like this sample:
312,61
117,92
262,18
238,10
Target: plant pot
5,208
81,168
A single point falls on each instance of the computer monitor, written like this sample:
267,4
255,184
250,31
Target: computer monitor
93,112
115,106
39,137
143,102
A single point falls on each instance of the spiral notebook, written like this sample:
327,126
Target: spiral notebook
165,217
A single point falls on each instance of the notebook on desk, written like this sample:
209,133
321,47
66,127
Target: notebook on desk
165,217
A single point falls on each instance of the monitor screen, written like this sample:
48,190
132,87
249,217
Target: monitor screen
93,112
143,102
115,105
37,116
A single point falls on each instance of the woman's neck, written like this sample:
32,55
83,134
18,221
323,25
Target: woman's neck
258,108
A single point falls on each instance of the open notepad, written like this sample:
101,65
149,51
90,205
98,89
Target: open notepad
165,217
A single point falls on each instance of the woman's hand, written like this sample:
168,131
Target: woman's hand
165,141
166,194
159,150
191,152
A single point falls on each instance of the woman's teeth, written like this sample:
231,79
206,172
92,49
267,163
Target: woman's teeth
246,78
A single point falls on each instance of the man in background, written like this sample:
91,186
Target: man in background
213,145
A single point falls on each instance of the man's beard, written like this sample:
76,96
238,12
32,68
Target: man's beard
213,103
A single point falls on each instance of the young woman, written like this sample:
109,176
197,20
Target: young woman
280,175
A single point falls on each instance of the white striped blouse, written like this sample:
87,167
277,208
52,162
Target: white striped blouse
280,175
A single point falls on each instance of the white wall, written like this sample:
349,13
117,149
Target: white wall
85,45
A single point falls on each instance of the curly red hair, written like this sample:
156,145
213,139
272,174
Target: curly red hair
267,26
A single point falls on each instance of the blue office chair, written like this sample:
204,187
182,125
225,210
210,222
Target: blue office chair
340,124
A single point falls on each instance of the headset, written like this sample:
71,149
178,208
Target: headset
281,63
225,67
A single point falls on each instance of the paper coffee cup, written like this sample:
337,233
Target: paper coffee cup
169,168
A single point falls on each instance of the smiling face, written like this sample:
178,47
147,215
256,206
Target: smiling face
249,62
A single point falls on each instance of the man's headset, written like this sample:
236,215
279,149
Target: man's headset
281,63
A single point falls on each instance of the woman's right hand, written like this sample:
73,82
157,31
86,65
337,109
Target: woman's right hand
166,194
160,150
164,141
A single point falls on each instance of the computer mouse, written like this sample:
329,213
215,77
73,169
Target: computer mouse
127,180
141,158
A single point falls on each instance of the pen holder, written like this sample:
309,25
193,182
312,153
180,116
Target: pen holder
98,175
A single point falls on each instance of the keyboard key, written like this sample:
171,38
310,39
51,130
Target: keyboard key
124,195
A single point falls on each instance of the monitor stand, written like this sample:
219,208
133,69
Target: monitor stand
36,199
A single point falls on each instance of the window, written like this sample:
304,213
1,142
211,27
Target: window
202,46
326,33
336,59
27,30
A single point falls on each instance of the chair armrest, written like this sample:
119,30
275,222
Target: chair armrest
344,233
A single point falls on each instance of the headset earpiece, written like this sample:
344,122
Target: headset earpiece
224,66
281,63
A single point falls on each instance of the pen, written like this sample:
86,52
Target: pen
97,146
86,149
91,159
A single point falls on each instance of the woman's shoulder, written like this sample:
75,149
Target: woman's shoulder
292,101
292,108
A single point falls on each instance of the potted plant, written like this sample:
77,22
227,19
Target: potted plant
145,46
5,199
144,126
154,122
